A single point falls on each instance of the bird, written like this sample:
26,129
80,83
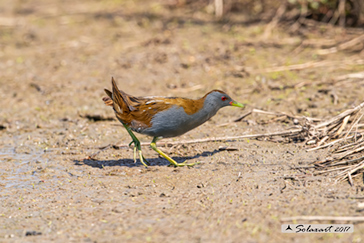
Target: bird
163,117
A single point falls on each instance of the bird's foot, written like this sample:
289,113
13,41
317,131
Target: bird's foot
183,164
172,161
137,146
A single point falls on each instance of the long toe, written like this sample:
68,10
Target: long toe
135,154
146,161
142,159
186,164
172,161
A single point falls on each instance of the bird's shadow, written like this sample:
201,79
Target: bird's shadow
160,161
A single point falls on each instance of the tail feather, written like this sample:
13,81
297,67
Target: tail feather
109,93
108,101
119,100
120,97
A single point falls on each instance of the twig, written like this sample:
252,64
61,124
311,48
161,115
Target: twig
335,17
328,144
322,140
359,75
344,178
243,116
280,114
340,116
239,176
343,125
342,46
281,10
350,179
309,65
354,145
8,22
342,13
344,154
346,162
303,14
217,139
283,114
357,167
354,124
331,170
219,8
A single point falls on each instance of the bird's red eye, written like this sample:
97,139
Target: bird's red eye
223,98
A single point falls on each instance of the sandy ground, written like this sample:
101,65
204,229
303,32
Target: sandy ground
56,57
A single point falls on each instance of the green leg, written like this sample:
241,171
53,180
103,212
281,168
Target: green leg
136,146
173,162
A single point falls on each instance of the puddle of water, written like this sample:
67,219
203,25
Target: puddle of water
22,166
16,165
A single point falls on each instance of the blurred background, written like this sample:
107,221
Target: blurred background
65,52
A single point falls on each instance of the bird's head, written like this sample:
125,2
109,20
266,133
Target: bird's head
221,99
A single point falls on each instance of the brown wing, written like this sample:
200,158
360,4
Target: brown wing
146,108
190,106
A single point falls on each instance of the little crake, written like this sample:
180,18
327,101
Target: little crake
163,117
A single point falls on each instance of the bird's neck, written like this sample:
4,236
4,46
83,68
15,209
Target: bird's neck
209,107
207,111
